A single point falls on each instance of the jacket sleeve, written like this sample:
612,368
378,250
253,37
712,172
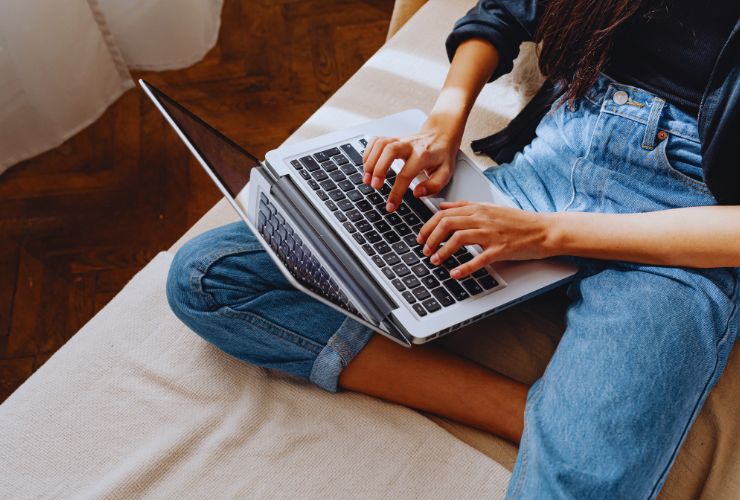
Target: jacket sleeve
503,23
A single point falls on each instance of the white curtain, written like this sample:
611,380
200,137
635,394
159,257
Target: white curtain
62,63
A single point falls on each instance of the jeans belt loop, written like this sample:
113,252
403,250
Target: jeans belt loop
648,141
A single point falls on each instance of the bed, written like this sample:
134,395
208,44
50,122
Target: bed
136,405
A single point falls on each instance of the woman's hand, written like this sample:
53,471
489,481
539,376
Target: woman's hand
433,150
503,233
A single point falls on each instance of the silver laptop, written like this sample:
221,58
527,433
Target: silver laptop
331,237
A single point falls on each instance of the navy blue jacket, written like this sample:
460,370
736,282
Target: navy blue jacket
507,23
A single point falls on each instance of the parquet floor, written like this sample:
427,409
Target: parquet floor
78,222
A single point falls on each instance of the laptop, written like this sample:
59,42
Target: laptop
330,235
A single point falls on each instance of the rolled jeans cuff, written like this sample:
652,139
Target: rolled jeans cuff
342,347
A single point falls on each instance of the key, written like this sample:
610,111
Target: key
373,216
322,194
309,163
372,236
320,175
328,166
419,310
368,249
410,259
409,297
378,260
400,247
480,273
430,281
327,185
348,169
325,155
411,281
443,296
341,160
401,270
382,226
314,185
421,293
354,156
364,205
388,273
346,185
411,219
296,164
363,226
488,282
403,230
472,286
337,176
340,216
391,237
345,205
398,284
349,227
354,215
375,199
356,178
354,195
359,238
420,270
365,189
382,247
431,305
392,259
336,195
393,218
456,289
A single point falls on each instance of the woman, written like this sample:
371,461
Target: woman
634,172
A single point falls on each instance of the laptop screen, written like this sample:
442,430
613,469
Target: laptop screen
227,160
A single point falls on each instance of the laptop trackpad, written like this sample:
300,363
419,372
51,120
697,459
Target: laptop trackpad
470,184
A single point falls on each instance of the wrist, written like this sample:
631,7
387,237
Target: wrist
555,239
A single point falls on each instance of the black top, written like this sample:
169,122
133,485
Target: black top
507,23
669,48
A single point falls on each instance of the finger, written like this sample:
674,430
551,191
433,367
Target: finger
374,154
445,228
410,170
452,204
396,150
479,261
456,241
368,146
434,184
427,228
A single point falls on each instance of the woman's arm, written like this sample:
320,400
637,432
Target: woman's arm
434,149
684,237
699,237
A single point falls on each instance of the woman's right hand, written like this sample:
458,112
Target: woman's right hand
433,150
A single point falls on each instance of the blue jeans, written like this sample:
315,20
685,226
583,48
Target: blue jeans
643,345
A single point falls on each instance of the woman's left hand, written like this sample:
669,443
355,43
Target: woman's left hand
503,233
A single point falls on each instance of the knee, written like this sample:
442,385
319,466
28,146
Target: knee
186,293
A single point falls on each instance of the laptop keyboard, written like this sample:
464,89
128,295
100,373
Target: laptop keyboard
389,239
296,256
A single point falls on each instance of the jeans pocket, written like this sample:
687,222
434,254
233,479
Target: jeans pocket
681,157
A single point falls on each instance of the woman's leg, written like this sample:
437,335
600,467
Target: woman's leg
643,348
225,288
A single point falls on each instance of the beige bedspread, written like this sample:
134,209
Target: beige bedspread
136,405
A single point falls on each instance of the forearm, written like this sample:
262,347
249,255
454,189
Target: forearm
699,237
474,62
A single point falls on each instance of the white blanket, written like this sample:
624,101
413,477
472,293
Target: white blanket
136,405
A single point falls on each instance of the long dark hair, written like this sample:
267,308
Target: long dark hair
576,37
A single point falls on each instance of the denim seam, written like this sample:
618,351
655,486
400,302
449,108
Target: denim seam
702,396
685,179
275,329
651,129
201,268
572,184
523,449
645,122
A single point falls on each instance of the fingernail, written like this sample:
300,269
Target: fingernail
434,258
366,178
426,250
455,273
422,191
390,207
377,182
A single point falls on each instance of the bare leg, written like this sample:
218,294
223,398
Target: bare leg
430,379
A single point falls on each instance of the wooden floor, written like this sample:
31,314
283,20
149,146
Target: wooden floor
78,222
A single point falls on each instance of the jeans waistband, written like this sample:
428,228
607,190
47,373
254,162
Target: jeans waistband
642,106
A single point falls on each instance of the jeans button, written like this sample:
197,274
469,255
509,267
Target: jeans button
620,97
